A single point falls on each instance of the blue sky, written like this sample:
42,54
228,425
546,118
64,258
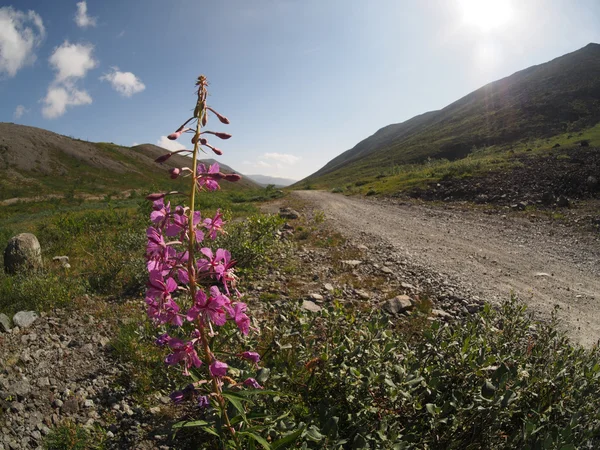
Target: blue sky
300,80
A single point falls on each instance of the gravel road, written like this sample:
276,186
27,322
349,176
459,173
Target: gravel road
544,263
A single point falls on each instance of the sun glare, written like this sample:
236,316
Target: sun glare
486,15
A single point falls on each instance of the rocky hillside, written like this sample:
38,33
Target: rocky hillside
37,162
560,96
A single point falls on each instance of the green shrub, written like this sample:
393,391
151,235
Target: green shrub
70,436
254,241
41,291
499,380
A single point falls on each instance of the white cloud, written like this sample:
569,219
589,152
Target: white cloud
81,17
72,61
125,83
262,164
20,34
19,111
135,144
170,145
282,158
59,97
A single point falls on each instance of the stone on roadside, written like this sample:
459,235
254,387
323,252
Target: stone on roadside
4,323
310,306
24,319
22,254
398,304
351,262
363,294
63,261
288,213
440,313
387,270
316,297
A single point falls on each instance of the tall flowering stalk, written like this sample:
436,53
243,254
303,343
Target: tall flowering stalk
192,290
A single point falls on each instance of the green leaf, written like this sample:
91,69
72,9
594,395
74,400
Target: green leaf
190,424
431,409
287,440
257,438
314,434
237,404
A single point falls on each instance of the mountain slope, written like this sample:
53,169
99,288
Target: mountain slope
37,162
265,180
541,101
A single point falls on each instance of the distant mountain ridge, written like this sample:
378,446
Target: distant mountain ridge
540,101
34,162
265,180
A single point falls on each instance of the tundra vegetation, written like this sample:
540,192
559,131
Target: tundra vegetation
345,377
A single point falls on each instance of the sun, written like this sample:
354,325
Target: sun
486,15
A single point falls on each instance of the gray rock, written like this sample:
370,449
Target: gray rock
407,286
398,304
563,202
316,297
548,198
310,306
363,294
473,308
4,323
24,319
22,253
440,313
592,182
263,374
328,287
351,263
387,270
288,213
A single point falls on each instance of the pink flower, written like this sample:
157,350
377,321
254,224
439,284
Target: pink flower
241,319
251,356
218,369
213,307
214,225
183,352
251,382
208,176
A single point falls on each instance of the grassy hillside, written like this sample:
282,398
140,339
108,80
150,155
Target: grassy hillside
37,162
556,100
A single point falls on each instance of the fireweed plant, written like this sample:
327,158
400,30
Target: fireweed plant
192,295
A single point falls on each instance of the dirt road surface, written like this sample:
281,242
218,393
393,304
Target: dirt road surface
544,263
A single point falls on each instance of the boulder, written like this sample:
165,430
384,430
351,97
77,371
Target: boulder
563,202
288,213
592,182
63,261
4,323
310,306
24,319
398,304
22,253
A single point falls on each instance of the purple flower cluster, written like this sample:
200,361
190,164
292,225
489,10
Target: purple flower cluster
191,288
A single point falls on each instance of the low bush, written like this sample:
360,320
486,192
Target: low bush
350,379
254,241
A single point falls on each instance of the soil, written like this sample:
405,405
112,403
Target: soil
571,173
546,263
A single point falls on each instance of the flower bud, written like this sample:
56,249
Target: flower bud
175,172
157,196
231,177
222,135
195,138
223,119
174,136
203,141
214,149
204,119
163,158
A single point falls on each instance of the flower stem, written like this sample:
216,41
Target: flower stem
192,269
